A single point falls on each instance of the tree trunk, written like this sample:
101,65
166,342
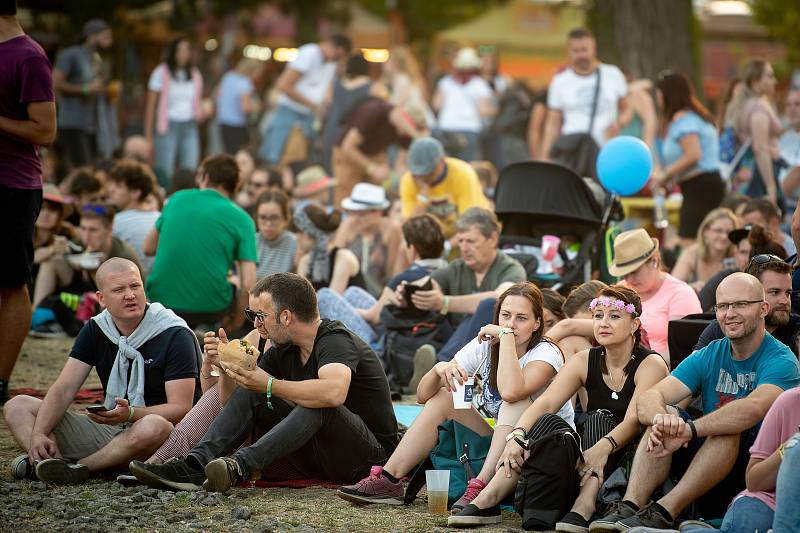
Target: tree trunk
646,36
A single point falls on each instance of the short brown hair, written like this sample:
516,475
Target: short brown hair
580,33
135,175
773,264
763,206
425,233
221,171
579,297
103,212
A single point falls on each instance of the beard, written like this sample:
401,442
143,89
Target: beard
776,318
748,327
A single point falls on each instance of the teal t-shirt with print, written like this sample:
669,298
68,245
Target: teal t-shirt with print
719,378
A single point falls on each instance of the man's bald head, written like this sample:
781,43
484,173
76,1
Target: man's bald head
115,265
740,286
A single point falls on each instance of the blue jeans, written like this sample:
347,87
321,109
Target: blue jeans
344,308
468,329
747,515
280,125
180,145
787,493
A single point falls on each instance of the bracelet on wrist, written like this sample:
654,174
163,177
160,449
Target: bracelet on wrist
130,414
269,392
613,442
445,305
690,423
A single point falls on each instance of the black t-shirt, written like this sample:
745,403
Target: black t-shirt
172,354
368,396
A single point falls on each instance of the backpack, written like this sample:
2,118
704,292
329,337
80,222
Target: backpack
549,482
459,450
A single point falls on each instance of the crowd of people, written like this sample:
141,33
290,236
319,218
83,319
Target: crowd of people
354,250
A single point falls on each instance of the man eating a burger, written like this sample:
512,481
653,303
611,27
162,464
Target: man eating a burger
319,394
147,360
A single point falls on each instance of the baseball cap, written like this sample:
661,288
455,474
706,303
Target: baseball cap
94,26
423,156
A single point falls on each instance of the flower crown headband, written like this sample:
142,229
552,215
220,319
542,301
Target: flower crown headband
605,301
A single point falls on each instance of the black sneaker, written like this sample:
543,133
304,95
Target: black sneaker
175,474
222,474
4,397
471,516
573,522
619,511
650,516
60,472
21,468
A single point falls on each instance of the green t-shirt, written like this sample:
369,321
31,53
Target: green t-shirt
456,279
201,235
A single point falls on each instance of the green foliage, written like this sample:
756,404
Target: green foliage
782,19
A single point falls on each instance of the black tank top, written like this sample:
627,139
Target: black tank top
600,394
355,281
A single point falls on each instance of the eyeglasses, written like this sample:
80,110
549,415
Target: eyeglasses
258,184
252,315
738,306
271,219
762,259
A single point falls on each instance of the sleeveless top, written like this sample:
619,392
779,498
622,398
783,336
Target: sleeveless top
355,281
600,394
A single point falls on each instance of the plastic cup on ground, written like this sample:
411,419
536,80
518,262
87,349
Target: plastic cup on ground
437,483
462,396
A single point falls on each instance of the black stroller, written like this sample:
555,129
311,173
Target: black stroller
533,199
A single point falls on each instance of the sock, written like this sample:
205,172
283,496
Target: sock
390,477
663,512
631,505
194,463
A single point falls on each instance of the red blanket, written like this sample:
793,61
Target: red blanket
82,396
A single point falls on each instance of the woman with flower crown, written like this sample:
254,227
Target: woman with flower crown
614,374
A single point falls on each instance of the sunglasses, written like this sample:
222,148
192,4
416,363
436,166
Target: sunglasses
252,315
96,208
762,259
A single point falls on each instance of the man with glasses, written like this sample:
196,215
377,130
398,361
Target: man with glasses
319,395
775,275
738,377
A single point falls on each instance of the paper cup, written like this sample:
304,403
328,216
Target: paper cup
437,484
550,247
462,396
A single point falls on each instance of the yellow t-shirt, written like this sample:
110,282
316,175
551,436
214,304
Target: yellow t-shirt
458,191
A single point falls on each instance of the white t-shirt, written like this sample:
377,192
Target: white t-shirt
460,110
471,359
181,94
572,95
316,75
789,146
132,226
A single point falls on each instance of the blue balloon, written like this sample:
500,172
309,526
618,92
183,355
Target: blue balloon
624,165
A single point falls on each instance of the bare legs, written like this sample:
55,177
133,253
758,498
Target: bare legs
15,319
53,273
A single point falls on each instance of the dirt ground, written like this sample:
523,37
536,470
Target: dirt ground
303,510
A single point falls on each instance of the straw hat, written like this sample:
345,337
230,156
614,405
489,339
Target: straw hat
632,249
311,181
467,59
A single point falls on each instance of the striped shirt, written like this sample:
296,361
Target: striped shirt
276,256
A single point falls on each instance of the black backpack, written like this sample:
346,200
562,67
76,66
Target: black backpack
549,482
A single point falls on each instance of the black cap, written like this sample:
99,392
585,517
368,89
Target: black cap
737,235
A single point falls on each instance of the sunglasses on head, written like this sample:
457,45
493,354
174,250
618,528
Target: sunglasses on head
762,259
96,208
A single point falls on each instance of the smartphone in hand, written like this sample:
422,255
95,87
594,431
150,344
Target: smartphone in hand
96,408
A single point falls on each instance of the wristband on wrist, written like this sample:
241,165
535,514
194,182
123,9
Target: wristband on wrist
130,414
781,449
690,423
504,331
516,432
269,392
445,305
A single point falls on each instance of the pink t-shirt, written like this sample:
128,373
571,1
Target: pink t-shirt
674,299
780,423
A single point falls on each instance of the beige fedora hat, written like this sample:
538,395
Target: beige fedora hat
632,249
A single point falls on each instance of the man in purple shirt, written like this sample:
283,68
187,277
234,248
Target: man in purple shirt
27,120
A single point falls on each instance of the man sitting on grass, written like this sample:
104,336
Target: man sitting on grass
147,360
319,397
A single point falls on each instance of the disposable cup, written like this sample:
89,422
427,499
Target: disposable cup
462,396
550,247
437,484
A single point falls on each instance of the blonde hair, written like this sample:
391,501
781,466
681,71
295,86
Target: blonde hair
710,218
752,71
404,61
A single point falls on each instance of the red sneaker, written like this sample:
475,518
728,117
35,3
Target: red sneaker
474,487
375,488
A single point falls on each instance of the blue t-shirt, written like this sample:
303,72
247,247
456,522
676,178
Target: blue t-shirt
229,102
691,122
172,354
720,379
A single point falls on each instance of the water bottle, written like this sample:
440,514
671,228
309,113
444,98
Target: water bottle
660,220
